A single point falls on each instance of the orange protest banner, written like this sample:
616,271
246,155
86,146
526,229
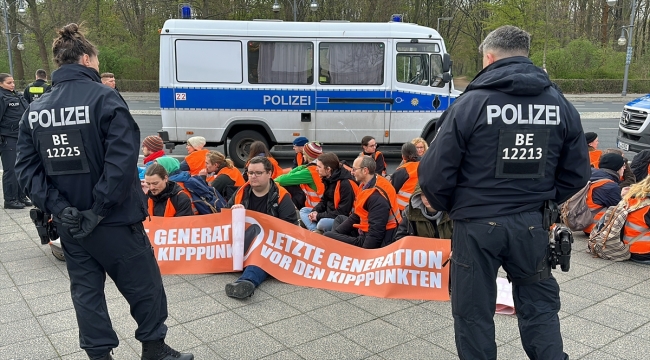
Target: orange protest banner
411,268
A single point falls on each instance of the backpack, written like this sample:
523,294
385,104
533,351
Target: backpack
205,198
575,212
605,240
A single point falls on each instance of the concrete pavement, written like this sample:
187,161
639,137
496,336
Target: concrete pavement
605,314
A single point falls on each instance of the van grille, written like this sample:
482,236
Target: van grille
633,119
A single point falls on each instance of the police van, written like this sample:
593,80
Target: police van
633,129
235,82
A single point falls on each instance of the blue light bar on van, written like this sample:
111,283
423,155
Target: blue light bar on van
185,11
396,18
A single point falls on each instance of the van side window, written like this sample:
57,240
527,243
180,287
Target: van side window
351,63
280,62
436,71
225,65
412,69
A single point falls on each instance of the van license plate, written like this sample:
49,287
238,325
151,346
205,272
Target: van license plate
623,146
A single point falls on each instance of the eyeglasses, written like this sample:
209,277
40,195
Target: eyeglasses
256,173
355,169
373,145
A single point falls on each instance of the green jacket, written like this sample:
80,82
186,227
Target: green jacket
415,223
297,176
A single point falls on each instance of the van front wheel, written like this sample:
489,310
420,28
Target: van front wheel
240,145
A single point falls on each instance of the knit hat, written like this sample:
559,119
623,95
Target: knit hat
300,141
169,163
153,143
591,136
196,142
611,161
313,149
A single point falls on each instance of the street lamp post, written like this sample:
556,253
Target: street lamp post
442,18
20,45
313,6
622,41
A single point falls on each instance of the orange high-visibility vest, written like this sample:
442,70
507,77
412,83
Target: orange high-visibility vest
233,174
170,210
239,195
386,190
635,226
337,192
313,196
594,158
596,210
404,194
196,161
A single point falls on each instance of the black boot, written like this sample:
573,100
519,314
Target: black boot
14,204
105,357
158,350
240,289
25,200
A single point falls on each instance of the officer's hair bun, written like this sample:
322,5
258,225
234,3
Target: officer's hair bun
69,31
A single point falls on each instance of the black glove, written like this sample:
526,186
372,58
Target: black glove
70,217
89,221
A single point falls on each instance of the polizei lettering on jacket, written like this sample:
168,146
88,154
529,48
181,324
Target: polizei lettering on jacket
533,114
73,115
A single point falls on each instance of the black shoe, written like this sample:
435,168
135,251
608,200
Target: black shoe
105,357
158,350
240,289
14,204
26,201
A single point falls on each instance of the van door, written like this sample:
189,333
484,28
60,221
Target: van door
352,93
419,93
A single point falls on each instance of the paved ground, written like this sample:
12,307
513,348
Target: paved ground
605,314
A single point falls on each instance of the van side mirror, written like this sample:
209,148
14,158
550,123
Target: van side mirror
446,63
446,77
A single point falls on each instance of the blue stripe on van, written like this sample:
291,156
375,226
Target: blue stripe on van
300,100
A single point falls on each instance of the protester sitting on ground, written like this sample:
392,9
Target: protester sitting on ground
173,167
152,148
604,191
195,160
592,144
298,146
640,165
303,183
628,177
369,146
421,145
375,215
263,195
420,219
338,197
638,222
405,178
222,174
258,148
166,198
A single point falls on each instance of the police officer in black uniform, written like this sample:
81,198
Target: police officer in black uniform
39,87
507,145
12,107
77,155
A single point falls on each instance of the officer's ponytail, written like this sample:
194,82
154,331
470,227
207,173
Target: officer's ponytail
71,45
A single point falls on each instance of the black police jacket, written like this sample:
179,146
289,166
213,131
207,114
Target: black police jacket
36,89
12,107
509,143
78,146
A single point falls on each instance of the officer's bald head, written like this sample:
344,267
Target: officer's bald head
506,41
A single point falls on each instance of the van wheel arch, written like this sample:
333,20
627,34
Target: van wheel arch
428,133
241,135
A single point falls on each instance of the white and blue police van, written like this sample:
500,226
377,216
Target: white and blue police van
235,82
633,128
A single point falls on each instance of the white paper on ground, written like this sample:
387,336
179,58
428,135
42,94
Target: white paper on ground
238,230
505,303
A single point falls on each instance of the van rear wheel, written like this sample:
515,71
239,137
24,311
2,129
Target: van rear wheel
240,145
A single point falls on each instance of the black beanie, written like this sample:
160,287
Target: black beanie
611,161
591,136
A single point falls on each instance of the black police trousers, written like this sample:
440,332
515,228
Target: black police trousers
125,254
519,244
10,188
